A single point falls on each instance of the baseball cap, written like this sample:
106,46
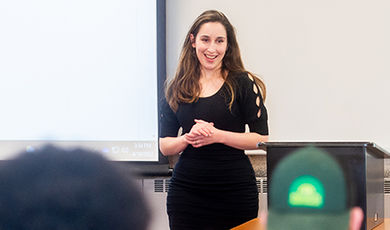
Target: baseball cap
308,191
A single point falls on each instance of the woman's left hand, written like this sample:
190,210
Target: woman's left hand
198,139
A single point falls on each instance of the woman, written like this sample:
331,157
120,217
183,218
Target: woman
212,97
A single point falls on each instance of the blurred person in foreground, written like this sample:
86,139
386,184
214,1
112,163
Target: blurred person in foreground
308,191
58,189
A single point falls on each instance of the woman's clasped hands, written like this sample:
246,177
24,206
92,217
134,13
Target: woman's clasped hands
201,134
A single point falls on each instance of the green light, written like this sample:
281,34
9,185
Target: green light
306,191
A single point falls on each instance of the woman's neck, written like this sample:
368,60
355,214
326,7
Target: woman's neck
211,74
210,82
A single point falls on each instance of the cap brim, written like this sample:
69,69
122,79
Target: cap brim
307,221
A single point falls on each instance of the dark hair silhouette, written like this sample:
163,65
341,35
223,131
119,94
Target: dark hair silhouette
58,189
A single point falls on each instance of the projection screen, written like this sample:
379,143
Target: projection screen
79,73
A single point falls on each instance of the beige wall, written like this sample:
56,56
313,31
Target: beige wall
326,63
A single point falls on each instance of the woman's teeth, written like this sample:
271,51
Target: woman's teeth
211,56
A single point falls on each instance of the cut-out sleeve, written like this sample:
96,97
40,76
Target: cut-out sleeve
251,105
169,125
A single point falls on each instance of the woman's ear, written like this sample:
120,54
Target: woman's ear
192,40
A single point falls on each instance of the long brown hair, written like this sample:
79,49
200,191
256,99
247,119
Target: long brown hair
184,87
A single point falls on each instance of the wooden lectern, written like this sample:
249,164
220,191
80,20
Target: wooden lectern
363,162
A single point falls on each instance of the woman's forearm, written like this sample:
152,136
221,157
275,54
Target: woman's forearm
245,141
172,145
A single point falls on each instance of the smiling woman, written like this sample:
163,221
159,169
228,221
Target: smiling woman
210,45
212,97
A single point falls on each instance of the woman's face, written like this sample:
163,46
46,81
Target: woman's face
210,45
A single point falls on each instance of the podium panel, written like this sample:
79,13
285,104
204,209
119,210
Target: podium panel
363,164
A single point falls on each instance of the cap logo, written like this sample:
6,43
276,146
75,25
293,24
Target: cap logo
306,191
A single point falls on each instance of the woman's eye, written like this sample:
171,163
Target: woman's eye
205,39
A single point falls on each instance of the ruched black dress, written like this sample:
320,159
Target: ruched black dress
214,186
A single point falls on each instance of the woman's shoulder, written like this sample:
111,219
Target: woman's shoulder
238,75
242,79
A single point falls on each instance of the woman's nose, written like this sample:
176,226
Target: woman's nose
212,47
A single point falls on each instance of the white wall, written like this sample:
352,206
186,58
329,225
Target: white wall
325,63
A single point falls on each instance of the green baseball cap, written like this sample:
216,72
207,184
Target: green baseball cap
308,191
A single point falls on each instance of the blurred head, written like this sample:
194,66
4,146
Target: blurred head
308,190
58,189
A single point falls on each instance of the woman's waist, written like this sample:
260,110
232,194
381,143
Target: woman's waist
191,166
201,172
214,151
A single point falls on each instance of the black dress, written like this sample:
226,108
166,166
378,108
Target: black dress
214,186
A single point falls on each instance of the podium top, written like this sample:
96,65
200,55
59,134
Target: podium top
370,146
